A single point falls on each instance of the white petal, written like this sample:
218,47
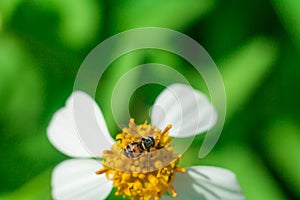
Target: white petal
207,183
79,128
76,179
188,110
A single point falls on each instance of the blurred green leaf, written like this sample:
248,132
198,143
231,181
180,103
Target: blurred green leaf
55,23
288,11
80,21
180,67
281,142
175,14
255,179
106,87
7,7
9,66
244,70
20,86
36,189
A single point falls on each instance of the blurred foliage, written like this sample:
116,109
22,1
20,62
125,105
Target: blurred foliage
255,44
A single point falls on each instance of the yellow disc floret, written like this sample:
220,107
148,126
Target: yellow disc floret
138,169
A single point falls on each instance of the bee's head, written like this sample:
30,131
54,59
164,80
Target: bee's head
149,141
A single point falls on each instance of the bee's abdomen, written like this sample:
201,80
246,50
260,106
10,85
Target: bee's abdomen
133,150
143,146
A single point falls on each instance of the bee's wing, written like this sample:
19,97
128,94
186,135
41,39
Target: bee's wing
122,126
134,133
129,130
207,182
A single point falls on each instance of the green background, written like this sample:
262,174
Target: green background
255,44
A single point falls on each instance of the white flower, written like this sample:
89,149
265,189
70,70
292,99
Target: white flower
189,112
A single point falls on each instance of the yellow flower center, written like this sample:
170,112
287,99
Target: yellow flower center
141,164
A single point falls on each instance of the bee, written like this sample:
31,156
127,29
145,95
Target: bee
135,149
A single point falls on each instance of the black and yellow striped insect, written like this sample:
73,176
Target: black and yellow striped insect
135,149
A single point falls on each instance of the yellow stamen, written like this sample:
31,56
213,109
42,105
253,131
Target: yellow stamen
101,171
131,123
173,192
180,169
169,126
